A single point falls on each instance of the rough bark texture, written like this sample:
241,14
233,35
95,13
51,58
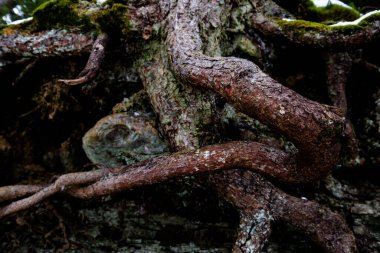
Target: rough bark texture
252,192
45,44
179,55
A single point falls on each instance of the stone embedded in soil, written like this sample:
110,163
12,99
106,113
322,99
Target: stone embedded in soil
123,138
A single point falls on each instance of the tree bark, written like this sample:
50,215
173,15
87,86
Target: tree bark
186,56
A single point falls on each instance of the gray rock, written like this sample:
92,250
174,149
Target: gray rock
123,138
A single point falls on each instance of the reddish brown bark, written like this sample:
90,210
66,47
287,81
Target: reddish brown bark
338,67
248,155
314,128
248,191
187,109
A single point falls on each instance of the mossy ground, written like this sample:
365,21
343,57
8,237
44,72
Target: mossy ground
59,14
112,18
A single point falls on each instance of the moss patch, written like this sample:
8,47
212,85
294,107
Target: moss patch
8,30
333,12
111,18
114,20
300,27
305,9
370,19
58,14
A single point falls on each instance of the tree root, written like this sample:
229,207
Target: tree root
324,38
40,193
93,64
45,44
246,87
337,70
248,191
315,129
248,155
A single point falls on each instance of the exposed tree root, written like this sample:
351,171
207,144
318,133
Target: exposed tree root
327,38
244,85
26,70
45,44
253,231
249,191
18,191
313,127
337,70
186,116
249,155
60,185
370,66
93,64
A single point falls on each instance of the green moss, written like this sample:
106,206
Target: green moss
246,46
137,102
333,12
301,27
58,14
113,20
370,19
12,29
306,10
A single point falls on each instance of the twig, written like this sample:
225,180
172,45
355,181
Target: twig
61,226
